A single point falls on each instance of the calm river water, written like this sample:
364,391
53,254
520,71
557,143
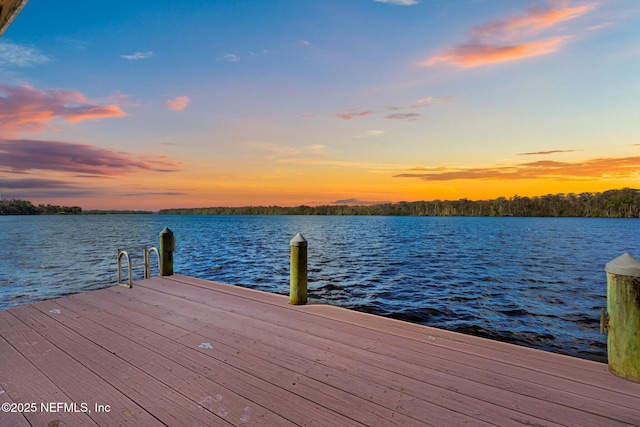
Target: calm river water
537,282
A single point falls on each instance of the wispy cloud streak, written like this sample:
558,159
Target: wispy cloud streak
354,115
21,56
534,20
408,117
398,2
545,169
136,56
522,36
24,155
29,188
536,153
229,57
479,53
425,102
35,183
420,103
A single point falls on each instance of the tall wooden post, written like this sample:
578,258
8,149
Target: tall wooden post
167,247
298,274
623,305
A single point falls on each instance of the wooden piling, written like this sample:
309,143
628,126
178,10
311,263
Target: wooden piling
298,272
623,305
167,247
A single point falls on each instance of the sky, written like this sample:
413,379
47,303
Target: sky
168,104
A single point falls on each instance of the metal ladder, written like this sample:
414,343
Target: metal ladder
146,263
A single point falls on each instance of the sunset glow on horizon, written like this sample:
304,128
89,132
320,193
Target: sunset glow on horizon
152,105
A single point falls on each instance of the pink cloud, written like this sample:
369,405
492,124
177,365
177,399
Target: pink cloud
409,117
514,38
23,155
177,104
26,109
353,115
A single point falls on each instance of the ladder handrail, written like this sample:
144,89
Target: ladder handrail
147,264
122,253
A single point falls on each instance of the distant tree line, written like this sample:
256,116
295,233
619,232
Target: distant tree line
624,203
24,207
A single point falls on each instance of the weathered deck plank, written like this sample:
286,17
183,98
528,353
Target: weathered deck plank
506,355
481,386
281,361
24,381
185,351
189,368
278,368
344,369
75,380
10,419
125,375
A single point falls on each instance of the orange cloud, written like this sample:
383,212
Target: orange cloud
544,169
177,104
514,38
533,20
26,109
475,54
94,112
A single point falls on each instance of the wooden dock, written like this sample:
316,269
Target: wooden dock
181,351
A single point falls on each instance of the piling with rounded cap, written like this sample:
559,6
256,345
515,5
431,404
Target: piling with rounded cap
298,272
623,305
167,247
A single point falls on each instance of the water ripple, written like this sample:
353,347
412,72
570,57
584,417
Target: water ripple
537,282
